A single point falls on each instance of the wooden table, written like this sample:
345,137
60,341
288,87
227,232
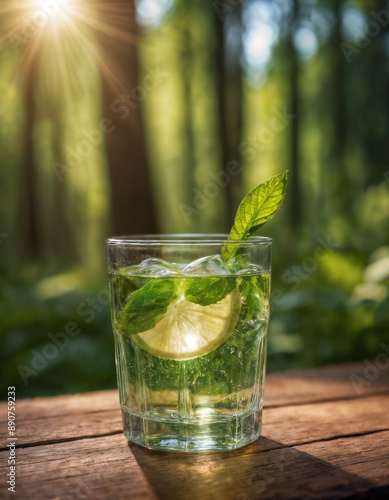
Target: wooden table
320,439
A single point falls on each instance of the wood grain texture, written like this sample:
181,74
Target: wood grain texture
323,384
110,467
293,424
319,440
69,404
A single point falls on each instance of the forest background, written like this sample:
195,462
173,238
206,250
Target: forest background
157,117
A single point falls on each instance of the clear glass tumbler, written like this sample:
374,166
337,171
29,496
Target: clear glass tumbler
190,335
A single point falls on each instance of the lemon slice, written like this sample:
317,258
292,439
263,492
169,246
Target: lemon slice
188,330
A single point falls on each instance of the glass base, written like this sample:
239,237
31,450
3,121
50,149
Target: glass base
213,433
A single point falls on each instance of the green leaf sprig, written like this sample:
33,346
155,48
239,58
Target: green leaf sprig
149,302
256,208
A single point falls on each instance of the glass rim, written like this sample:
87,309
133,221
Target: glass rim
209,239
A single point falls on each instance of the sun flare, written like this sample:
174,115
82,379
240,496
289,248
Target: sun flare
55,33
56,11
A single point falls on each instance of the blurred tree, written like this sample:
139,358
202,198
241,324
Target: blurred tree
372,123
132,201
296,196
184,13
28,210
11,137
229,78
339,110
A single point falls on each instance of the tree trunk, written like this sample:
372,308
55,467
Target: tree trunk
61,237
133,210
339,115
186,68
28,217
230,97
294,138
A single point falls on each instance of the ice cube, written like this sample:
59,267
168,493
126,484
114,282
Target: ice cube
249,269
212,265
154,267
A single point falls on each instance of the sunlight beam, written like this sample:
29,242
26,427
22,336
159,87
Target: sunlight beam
59,30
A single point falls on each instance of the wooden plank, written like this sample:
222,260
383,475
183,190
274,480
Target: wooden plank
65,428
325,384
290,387
292,424
109,467
68,404
314,422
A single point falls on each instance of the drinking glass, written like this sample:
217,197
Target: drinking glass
190,336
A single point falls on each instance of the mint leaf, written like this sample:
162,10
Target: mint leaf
254,291
256,208
145,305
207,291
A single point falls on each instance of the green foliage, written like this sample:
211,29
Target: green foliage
30,321
146,305
209,290
330,317
254,291
337,311
256,208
